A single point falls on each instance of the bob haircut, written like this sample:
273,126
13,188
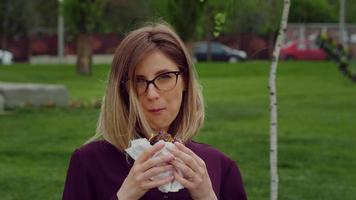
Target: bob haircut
121,118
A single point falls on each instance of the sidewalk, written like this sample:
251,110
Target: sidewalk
70,59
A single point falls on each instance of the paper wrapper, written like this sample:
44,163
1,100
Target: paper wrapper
138,146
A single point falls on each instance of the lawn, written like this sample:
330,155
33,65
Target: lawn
317,111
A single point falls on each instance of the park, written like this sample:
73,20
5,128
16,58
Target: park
316,120
317,112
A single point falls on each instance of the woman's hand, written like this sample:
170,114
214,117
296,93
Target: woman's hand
138,182
194,176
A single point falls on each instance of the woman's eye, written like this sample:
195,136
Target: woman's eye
140,81
165,76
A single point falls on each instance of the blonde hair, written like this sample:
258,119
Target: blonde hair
121,118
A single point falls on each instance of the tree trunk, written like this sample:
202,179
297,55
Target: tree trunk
84,52
209,32
4,25
273,103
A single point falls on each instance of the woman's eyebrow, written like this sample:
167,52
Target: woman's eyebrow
162,71
156,74
140,76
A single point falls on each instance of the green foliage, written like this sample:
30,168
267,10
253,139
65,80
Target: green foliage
160,9
83,16
306,11
256,16
184,16
316,128
122,16
193,19
187,17
350,9
216,17
21,18
219,21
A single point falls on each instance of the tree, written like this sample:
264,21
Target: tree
122,15
350,8
20,18
255,16
23,19
82,17
306,11
273,102
184,16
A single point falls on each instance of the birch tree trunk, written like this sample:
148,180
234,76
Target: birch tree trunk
273,102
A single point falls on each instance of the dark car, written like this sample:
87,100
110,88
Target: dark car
302,50
219,52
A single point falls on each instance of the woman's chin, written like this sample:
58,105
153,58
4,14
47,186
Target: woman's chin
159,127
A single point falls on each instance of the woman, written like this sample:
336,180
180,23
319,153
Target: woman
152,87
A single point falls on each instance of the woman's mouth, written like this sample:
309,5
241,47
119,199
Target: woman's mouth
156,110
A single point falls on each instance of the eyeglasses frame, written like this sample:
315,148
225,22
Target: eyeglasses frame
148,82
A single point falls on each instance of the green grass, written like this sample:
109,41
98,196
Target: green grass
317,111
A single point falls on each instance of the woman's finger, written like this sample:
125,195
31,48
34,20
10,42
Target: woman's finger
148,153
187,159
184,182
186,171
156,171
156,161
186,150
157,183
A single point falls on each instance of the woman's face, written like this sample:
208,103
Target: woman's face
160,105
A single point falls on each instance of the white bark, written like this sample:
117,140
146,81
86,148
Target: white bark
273,103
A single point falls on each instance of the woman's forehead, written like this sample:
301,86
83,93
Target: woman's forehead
155,63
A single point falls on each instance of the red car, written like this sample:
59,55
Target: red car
302,50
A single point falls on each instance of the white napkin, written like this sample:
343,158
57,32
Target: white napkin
138,146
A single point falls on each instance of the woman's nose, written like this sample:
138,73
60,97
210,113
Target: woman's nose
152,92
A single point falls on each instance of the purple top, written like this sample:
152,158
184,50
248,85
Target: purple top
97,170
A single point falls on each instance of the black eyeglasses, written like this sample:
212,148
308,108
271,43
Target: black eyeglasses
163,82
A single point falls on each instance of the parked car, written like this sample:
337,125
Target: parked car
219,52
302,50
5,57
